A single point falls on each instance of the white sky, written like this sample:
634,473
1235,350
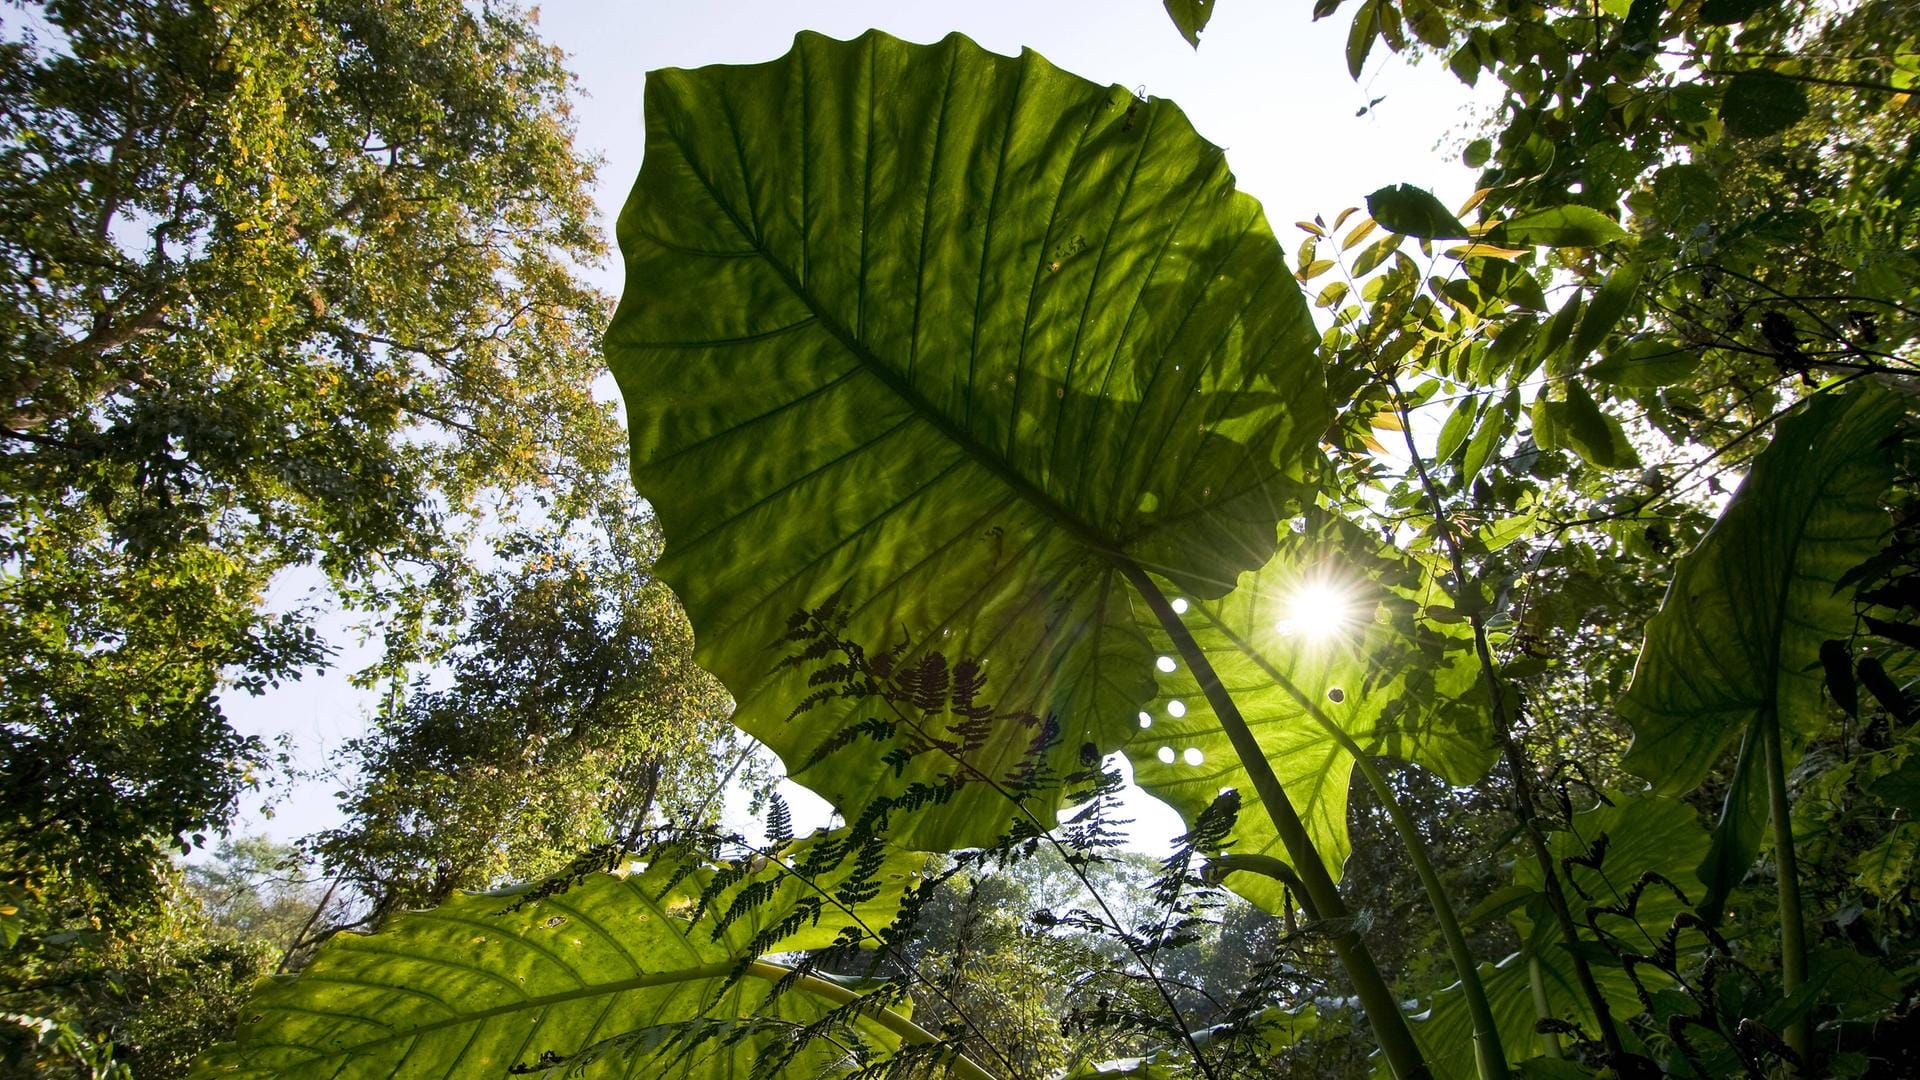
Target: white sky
1267,84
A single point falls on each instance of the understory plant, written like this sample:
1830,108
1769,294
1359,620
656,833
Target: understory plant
993,436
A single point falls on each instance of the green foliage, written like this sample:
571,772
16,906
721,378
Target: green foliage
1630,866
283,286
1336,646
1737,644
611,970
572,715
945,371
1762,102
144,994
1413,211
1191,17
996,380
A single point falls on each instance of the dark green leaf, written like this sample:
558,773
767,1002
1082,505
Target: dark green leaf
1560,226
1642,22
1901,632
1413,211
1738,831
1838,663
1495,426
1901,787
1552,1068
1453,433
1498,903
1558,330
1191,17
1366,26
1577,424
1507,282
845,378
1594,953
1737,642
1762,103
1508,346
1645,362
1609,303
1477,153
1465,64
1728,12
1873,676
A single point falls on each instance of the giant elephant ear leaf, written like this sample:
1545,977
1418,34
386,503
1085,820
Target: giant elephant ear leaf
1376,675
1736,643
947,339
613,977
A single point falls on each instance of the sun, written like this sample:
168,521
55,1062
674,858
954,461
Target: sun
1316,611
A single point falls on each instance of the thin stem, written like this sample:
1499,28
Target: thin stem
1402,1054
959,1066
1793,934
1517,767
1489,1057
1816,80
1537,982
1266,866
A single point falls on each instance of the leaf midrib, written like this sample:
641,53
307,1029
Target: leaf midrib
1110,548
639,982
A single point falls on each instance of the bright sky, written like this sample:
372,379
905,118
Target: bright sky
1267,84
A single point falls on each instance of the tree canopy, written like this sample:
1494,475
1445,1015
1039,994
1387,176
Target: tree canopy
284,288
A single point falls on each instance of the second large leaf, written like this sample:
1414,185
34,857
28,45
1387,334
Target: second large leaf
952,337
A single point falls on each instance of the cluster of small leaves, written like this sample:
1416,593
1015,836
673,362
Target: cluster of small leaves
930,706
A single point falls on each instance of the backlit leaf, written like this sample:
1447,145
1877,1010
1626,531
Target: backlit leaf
1561,226
475,987
949,336
1737,641
1329,635
1191,17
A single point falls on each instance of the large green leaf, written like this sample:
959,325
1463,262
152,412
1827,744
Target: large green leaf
601,970
1737,641
1395,683
1605,853
949,336
1445,1032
